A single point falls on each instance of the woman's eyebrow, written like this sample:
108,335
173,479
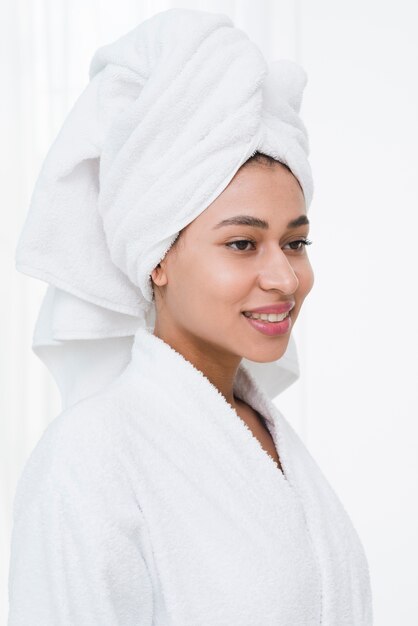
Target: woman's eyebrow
250,220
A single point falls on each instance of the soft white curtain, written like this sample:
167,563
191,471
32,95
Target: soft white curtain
355,403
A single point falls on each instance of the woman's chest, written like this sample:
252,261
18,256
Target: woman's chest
222,549
257,425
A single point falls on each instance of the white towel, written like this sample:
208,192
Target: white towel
178,103
153,504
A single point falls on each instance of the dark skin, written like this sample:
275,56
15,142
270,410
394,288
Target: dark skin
258,428
205,281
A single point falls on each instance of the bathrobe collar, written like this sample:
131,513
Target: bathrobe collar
179,378
220,450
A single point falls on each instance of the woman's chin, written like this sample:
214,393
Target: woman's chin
268,354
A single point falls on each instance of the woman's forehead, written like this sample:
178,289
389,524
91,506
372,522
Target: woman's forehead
256,191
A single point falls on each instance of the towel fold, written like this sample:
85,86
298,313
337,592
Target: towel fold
172,110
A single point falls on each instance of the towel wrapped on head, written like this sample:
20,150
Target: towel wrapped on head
172,110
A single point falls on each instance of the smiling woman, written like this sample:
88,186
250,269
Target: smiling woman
177,493
211,330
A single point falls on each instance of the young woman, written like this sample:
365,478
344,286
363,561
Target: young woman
244,257
178,494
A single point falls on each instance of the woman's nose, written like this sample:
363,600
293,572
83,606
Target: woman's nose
278,273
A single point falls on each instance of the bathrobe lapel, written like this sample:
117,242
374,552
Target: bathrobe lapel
345,577
229,532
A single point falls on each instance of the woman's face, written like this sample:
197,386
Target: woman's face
216,272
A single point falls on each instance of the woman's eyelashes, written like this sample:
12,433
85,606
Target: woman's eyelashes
300,242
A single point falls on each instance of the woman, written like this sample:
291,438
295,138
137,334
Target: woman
179,494
224,278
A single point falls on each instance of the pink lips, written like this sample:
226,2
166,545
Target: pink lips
280,307
270,328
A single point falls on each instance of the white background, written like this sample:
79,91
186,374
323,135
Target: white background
355,404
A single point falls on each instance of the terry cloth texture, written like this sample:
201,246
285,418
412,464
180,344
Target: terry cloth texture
152,504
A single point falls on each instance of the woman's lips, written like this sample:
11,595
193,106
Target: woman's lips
279,307
270,328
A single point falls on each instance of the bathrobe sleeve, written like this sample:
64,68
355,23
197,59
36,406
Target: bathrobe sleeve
78,534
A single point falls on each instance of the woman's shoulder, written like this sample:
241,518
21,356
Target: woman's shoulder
79,429
75,452
77,522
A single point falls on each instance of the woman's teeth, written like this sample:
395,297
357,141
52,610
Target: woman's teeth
267,317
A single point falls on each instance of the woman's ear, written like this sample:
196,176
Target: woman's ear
159,276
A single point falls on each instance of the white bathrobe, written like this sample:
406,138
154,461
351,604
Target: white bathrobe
151,503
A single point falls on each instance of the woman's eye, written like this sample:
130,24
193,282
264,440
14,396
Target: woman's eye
304,242
301,243
231,243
